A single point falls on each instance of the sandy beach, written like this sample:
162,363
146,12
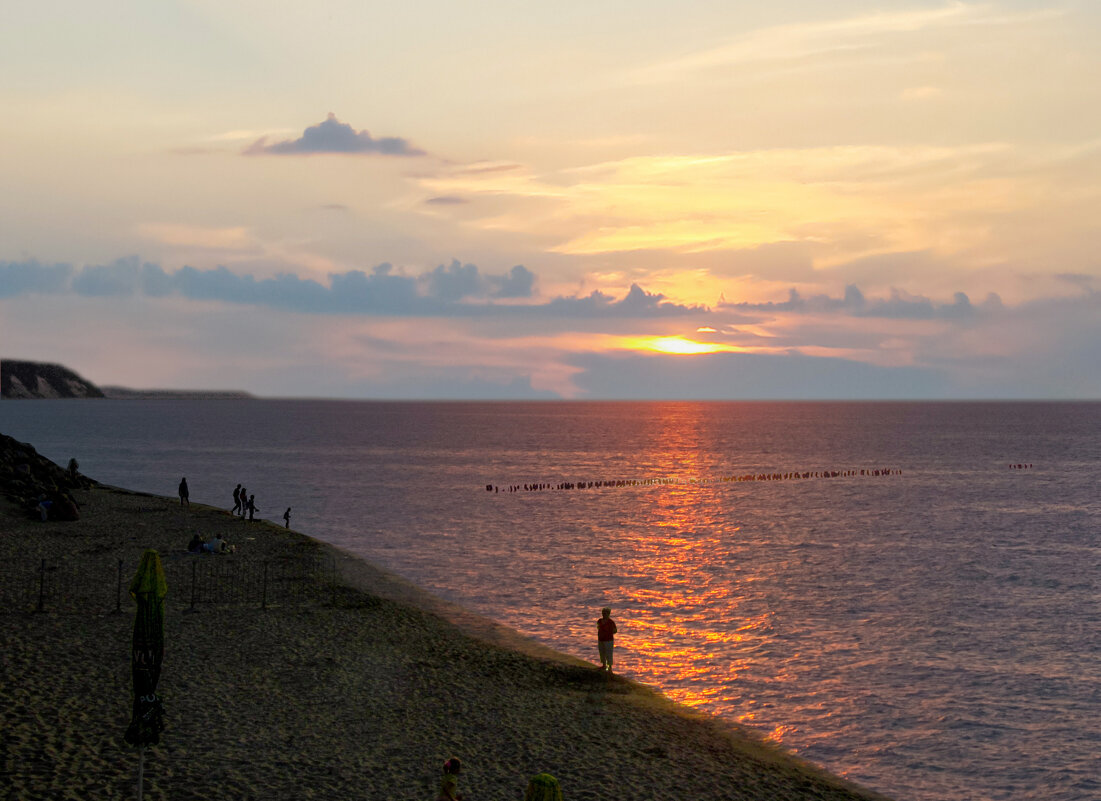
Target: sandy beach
358,690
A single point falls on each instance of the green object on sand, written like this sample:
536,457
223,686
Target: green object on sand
543,787
147,651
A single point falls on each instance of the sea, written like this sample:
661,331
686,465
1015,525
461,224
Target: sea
903,593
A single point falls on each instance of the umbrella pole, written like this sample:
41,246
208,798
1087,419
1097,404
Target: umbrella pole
141,769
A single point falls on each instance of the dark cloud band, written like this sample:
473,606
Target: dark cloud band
452,290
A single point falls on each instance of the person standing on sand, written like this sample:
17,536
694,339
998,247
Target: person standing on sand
252,508
236,501
287,518
605,638
244,502
449,784
185,499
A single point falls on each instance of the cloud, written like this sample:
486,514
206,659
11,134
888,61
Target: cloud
519,283
821,38
234,238
637,303
842,201
722,376
452,290
899,305
112,280
446,200
417,382
334,136
457,281
23,278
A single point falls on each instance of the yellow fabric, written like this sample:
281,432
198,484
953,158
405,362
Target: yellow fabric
543,787
150,576
449,787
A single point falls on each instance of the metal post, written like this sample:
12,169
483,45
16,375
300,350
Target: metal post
42,586
264,596
141,770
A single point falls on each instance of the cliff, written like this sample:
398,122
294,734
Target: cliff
19,379
22,380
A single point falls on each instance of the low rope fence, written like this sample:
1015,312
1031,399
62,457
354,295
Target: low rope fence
194,581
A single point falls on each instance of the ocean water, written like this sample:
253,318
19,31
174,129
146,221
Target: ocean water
931,632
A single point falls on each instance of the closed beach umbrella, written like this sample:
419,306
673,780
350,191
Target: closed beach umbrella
147,719
543,787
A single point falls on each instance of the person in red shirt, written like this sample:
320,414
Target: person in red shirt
605,638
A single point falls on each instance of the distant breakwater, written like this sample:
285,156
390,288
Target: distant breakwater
661,482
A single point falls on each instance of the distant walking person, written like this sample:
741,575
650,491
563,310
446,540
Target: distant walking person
236,501
605,638
287,518
185,500
252,508
244,502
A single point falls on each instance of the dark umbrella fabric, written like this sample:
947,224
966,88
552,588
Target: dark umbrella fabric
148,590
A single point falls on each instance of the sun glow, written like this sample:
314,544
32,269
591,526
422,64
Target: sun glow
682,346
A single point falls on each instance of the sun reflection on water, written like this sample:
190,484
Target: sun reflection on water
686,605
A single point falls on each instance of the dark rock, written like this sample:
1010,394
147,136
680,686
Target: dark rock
26,477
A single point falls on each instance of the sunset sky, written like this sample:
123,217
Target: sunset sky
646,199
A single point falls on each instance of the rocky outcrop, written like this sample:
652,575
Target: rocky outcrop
26,478
19,379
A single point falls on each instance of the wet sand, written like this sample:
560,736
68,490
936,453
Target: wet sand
360,693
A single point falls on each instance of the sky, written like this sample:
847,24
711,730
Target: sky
496,200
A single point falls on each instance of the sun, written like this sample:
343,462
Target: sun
682,346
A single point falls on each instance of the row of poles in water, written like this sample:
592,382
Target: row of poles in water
655,482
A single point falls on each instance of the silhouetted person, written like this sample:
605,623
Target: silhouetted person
287,518
252,510
184,499
244,502
605,638
236,501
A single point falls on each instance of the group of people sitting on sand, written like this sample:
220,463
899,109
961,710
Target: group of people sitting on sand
57,505
216,545
542,787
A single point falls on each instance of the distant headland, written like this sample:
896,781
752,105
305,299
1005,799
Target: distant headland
23,380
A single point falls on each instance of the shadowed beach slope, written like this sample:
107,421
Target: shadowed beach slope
335,681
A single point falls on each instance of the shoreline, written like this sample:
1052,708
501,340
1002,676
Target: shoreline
363,694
